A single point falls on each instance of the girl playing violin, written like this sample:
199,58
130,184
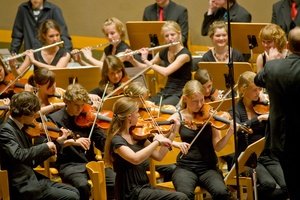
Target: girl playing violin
177,64
268,170
198,165
113,73
49,33
127,155
115,32
274,41
209,92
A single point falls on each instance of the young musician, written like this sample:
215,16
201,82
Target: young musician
19,157
274,41
177,64
72,159
115,32
113,73
209,92
197,162
49,33
270,178
127,155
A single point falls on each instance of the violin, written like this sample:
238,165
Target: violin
17,87
36,129
261,107
221,120
145,129
87,116
165,111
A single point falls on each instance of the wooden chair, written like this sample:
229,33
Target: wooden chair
4,187
170,158
246,182
96,172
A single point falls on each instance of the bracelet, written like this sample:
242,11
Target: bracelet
159,143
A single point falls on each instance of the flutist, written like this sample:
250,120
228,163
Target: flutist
54,56
178,64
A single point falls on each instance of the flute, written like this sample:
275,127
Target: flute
122,54
34,51
96,46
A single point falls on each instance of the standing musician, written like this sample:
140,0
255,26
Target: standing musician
19,157
49,33
271,183
127,155
113,73
72,159
210,93
177,64
115,32
198,163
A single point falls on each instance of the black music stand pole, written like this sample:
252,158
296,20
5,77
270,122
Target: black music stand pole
231,83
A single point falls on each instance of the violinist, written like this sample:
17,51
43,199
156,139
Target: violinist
210,93
174,62
49,33
138,90
113,73
19,157
127,155
271,183
198,163
72,159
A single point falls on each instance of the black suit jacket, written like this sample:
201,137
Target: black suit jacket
237,14
173,12
281,15
281,78
19,158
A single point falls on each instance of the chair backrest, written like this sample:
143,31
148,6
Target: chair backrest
4,187
256,147
219,71
96,172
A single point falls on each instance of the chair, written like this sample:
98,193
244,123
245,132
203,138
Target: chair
97,175
4,187
254,149
170,158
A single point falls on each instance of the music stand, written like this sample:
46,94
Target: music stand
219,72
253,150
144,33
244,37
87,76
109,102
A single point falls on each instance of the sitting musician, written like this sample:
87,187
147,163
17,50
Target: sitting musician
72,159
270,178
19,157
49,33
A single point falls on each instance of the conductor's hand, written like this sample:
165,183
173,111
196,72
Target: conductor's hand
52,147
83,142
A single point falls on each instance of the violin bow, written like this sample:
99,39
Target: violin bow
13,81
210,117
98,110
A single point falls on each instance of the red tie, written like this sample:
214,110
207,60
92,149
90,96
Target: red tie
294,10
161,14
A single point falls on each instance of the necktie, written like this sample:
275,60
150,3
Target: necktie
161,14
294,11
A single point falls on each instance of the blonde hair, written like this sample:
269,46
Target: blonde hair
120,27
121,109
191,87
273,32
216,25
171,25
135,89
244,82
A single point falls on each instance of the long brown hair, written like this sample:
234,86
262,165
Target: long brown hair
121,109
